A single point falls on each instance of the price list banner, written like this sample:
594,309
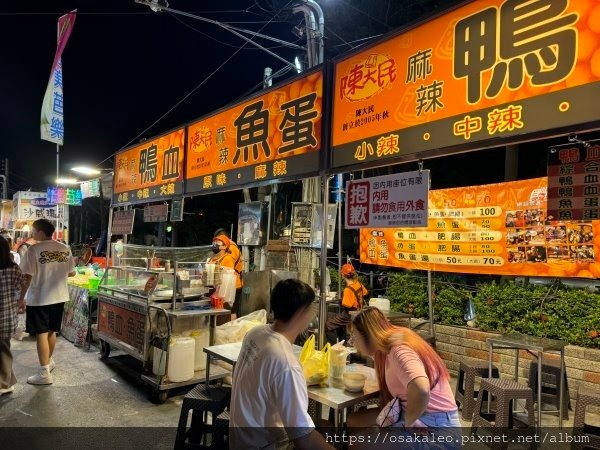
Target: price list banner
574,183
498,229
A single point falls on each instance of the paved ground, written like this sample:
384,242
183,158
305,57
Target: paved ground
96,396
87,391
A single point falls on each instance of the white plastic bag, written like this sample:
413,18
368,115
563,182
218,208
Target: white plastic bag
235,330
20,331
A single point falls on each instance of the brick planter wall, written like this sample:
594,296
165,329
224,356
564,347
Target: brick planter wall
455,344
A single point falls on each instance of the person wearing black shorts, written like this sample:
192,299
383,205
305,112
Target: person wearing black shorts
46,266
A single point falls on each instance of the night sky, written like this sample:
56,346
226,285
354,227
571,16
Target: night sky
124,67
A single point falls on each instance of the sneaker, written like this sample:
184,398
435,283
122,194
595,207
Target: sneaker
52,364
42,377
7,390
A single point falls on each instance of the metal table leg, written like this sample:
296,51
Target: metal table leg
489,396
207,370
562,386
539,391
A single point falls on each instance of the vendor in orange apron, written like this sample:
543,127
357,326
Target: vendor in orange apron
353,299
222,257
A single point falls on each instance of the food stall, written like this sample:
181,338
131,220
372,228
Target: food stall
154,305
417,94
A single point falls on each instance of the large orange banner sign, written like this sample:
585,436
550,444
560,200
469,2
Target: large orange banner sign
489,69
274,135
150,171
500,229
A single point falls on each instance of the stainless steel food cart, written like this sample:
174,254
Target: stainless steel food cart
140,308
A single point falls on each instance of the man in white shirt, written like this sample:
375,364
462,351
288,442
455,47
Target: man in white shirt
46,266
269,402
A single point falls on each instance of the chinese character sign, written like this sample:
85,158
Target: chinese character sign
52,118
491,68
274,135
90,189
151,170
574,182
398,200
63,196
497,229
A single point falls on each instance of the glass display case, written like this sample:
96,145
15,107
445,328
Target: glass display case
148,302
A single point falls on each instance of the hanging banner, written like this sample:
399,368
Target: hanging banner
496,229
274,135
574,182
52,126
489,69
156,213
123,222
90,188
150,171
398,200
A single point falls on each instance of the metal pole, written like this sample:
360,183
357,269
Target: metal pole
323,300
430,296
108,236
340,193
57,175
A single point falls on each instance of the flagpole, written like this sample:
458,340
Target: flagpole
57,177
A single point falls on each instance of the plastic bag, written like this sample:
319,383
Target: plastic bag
315,363
20,333
235,330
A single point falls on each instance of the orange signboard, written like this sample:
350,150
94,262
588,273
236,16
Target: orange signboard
276,134
150,171
499,229
489,69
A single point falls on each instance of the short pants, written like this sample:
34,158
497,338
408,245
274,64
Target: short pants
43,319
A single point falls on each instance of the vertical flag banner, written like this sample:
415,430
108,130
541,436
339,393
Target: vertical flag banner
52,124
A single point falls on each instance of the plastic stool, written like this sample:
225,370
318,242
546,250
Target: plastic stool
552,391
465,393
586,397
201,401
505,392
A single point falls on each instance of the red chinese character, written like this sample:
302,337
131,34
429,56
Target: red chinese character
569,155
386,72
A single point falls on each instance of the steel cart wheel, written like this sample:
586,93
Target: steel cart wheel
104,349
159,397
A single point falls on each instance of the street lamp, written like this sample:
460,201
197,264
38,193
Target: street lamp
66,181
85,170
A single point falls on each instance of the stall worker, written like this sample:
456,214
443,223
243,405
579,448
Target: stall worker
353,299
269,399
223,257
415,395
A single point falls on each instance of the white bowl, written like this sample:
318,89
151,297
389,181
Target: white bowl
354,381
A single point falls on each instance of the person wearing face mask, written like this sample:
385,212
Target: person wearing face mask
222,257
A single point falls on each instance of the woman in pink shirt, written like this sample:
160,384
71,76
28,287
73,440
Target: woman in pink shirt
409,370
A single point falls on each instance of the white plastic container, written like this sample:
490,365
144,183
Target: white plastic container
181,359
202,339
159,360
381,303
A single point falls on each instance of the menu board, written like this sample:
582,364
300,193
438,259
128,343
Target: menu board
574,182
500,229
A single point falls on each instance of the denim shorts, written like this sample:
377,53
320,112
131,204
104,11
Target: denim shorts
444,432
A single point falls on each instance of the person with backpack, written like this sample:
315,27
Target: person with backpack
353,299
